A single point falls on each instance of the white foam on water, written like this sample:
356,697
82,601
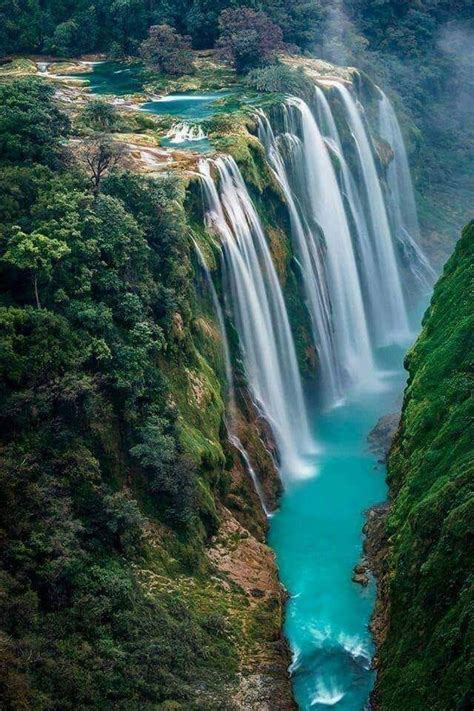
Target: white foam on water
327,695
184,132
354,646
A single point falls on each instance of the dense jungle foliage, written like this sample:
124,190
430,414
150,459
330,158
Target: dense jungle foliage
426,659
95,289
96,333
421,51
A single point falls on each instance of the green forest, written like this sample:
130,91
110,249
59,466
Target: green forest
137,568
90,441
430,525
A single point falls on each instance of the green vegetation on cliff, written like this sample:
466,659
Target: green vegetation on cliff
112,479
426,659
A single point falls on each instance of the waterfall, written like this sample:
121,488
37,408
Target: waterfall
401,197
309,261
362,243
324,246
183,132
229,421
386,279
259,313
222,328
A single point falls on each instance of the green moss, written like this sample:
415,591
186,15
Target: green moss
425,660
197,393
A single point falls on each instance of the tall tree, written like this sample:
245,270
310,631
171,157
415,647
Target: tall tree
167,51
248,38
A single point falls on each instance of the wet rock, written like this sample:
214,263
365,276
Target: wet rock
360,574
376,550
381,436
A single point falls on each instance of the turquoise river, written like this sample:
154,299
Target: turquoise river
317,538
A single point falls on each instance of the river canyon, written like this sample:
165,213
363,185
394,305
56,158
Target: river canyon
354,238
222,297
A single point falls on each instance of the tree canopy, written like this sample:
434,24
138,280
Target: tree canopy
92,276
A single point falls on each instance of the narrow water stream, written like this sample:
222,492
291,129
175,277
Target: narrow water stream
317,538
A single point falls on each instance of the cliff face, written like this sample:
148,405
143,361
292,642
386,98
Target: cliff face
423,619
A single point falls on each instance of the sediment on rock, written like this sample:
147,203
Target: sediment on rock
263,682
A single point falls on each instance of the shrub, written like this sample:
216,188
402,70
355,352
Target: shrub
100,115
279,78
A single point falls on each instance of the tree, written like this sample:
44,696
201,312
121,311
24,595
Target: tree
167,51
202,21
31,126
248,38
301,21
100,115
100,157
35,252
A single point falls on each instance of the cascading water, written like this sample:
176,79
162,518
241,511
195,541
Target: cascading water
222,328
401,198
259,313
324,247
361,238
394,326
233,438
183,132
310,261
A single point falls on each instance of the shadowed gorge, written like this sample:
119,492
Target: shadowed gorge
426,574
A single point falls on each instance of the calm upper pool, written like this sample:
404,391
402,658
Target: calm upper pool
114,78
187,106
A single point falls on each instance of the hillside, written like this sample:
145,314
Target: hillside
425,660
134,569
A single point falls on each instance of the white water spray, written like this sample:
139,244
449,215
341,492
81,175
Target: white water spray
308,259
401,198
229,421
343,338
361,238
395,326
184,132
259,313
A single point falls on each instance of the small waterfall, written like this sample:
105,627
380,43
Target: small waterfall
259,313
386,278
222,328
229,421
257,486
401,197
183,132
324,246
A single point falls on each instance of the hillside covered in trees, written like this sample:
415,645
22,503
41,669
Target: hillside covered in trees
113,468
426,657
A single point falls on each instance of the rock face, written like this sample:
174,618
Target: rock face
243,561
381,437
420,547
375,561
